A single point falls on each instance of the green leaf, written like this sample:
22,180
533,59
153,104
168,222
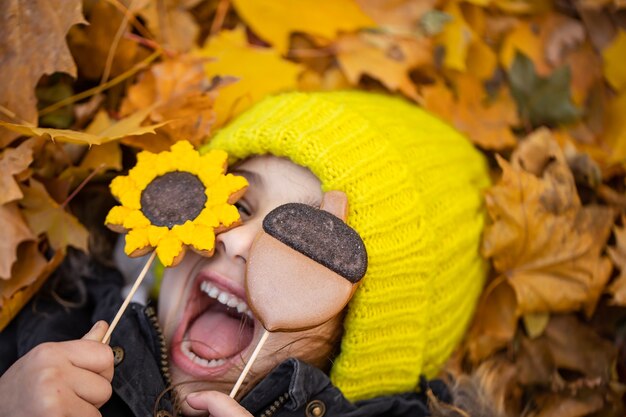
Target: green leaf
541,100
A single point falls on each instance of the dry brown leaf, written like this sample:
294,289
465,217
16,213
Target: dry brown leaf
27,54
566,344
46,216
495,321
13,161
564,405
28,269
24,272
542,240
618,256
177,90
385,58
399,16
90,45
14,231
487,123
172,23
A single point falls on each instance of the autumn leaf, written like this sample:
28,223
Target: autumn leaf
14,231
614,68
29,274
275,21
541,100
397,17
546,245
23,273
104,132
177,90
92,44
107,156
46,216
28,54
614,135
618,256
384,58
264,72
465,50
487,122
173,25
495,321
13,161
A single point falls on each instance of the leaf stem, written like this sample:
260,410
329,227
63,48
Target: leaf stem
82,185
92,91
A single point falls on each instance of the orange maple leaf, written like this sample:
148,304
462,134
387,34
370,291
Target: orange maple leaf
486,122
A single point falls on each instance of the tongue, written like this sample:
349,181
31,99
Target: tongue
216,335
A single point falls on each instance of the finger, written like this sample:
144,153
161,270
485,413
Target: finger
90,355
74,406
97,332
91,387
217,404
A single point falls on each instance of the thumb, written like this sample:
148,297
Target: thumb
97,332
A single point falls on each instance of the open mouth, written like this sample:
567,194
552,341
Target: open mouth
217,326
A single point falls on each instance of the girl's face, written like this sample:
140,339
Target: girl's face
208,327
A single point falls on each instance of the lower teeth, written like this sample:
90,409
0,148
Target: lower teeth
186,348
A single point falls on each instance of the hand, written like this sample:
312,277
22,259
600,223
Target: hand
62,379
217,404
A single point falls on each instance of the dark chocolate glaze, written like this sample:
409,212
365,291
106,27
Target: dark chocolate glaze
321,236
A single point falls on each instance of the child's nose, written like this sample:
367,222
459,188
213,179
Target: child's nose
236,242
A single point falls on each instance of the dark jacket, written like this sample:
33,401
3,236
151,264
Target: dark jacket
293,388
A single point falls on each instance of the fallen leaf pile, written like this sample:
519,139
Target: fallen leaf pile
538,86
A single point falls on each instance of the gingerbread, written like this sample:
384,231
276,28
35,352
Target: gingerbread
304,265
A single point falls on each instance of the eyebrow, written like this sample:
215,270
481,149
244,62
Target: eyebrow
252,177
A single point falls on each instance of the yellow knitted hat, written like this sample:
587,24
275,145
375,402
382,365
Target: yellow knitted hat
414,191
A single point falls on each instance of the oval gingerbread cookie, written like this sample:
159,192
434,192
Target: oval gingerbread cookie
304,265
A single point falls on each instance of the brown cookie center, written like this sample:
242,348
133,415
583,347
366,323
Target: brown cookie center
173,198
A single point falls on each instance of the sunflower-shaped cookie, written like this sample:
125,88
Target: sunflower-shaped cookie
173,200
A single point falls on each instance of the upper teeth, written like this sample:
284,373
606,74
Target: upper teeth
226,298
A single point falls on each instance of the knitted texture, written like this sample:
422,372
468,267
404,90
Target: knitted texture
414,191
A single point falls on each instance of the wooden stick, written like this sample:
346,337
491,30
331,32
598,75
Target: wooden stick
245,371
118,316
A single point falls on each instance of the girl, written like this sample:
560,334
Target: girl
414,193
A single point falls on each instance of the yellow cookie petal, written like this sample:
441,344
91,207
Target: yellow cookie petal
204,238
117,215
207,218
168,249
227,214
156,233
136,239
185,231
136,219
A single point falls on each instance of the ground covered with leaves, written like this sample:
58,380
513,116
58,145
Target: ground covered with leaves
538,86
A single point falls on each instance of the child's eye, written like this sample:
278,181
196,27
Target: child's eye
244,210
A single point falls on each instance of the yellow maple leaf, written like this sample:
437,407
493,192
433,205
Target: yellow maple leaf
614,68
487,124
275,21
46,216
259,72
